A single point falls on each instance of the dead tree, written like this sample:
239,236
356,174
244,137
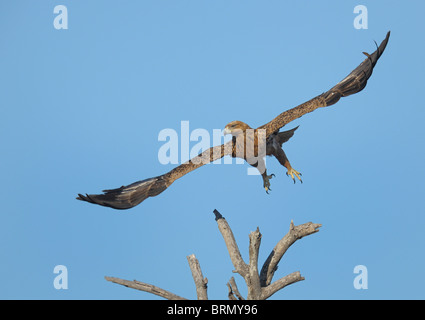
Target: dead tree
260,285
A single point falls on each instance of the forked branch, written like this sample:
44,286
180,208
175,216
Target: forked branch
260,285
295,233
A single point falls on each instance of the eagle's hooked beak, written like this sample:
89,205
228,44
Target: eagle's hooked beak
227,131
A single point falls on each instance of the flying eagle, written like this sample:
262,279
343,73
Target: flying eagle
244,138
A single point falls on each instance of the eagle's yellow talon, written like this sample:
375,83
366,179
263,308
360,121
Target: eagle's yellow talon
291,172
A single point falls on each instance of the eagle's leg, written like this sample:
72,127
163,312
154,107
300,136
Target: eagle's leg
283,160
266,181
291,171
260,164
266,178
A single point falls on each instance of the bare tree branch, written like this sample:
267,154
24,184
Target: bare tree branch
280,284
200,281
234,290
146,287
230,294
235,255
295,233
254,287
248,272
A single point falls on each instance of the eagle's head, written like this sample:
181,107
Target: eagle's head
236,127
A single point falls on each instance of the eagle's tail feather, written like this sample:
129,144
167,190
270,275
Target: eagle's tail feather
284,136
129,196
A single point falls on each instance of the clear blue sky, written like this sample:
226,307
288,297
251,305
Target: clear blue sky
81,110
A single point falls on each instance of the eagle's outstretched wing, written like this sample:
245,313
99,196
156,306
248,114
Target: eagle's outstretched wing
129,196
353,83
